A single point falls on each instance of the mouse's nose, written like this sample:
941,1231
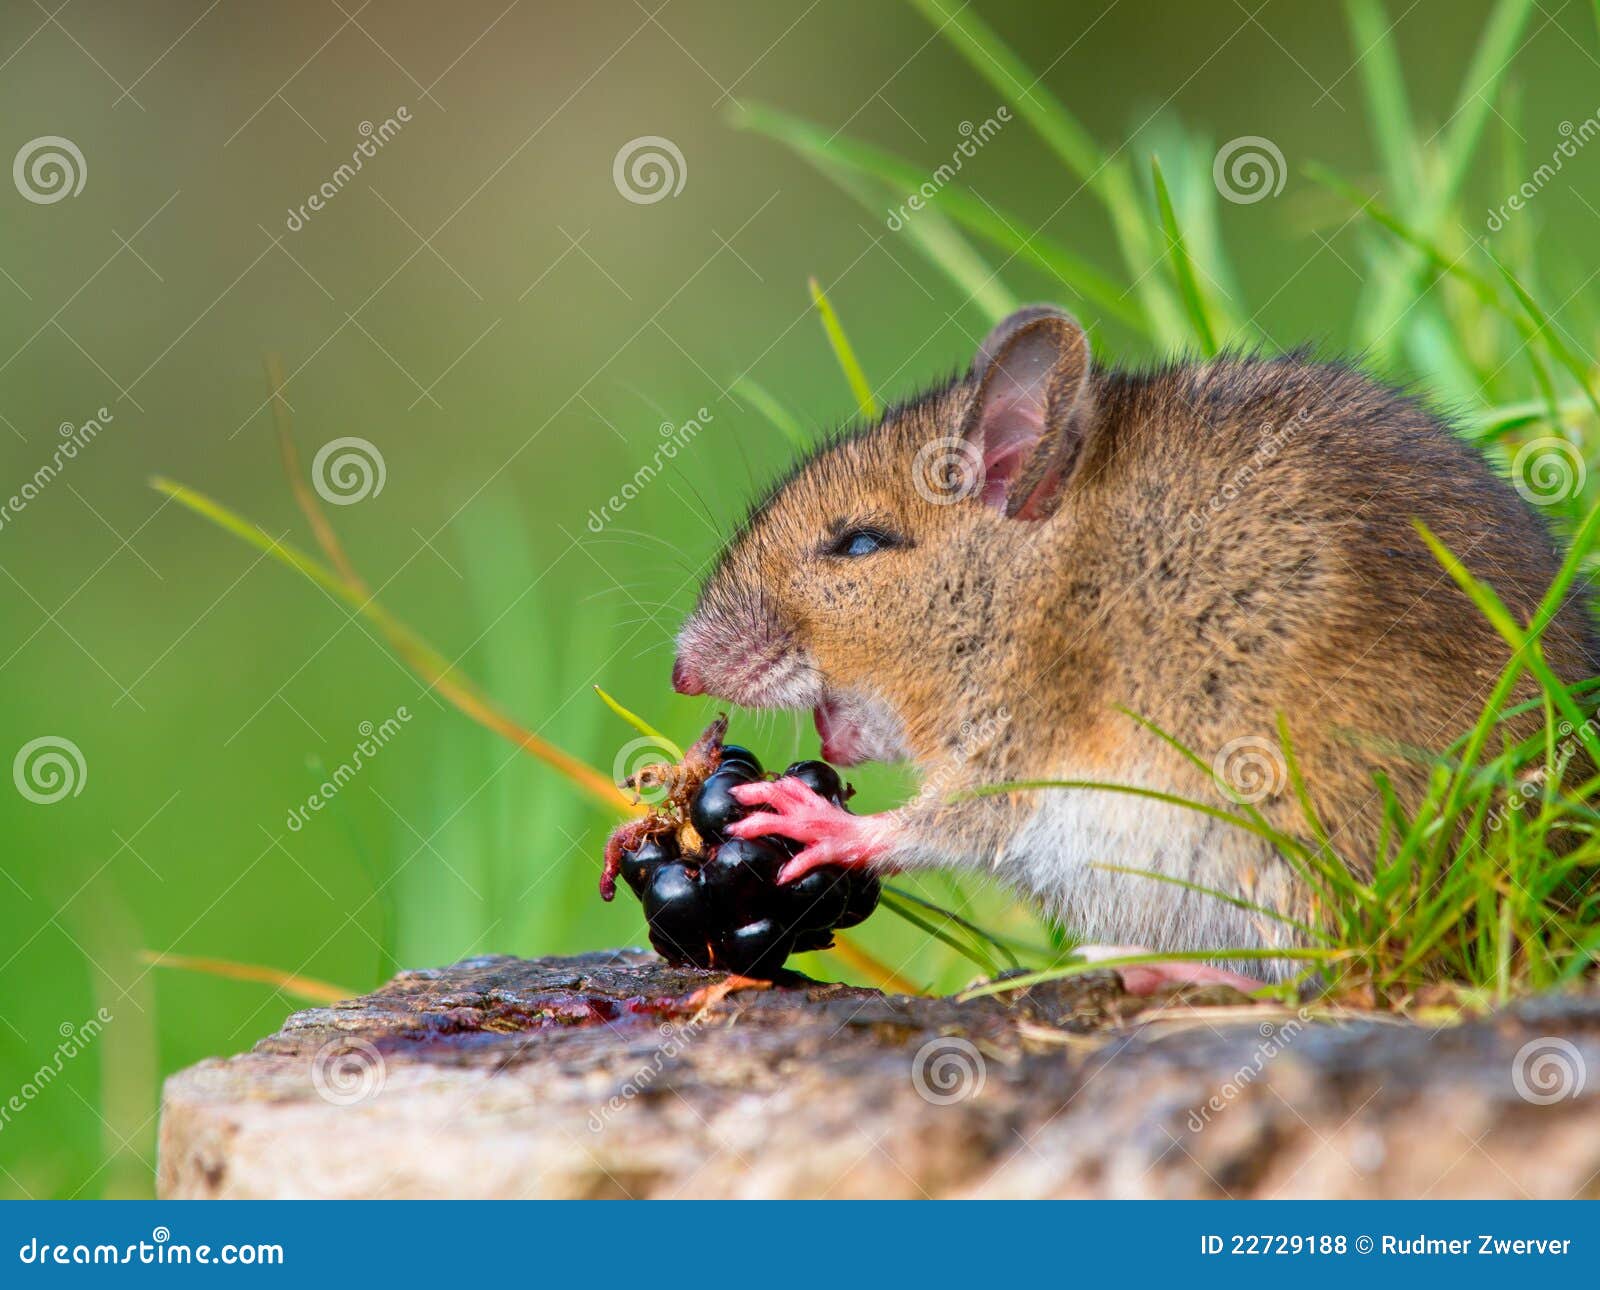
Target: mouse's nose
685,680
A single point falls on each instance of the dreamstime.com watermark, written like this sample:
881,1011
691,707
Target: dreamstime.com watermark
347,1071
1275,1037
160,1250
1547,1070
1249,168
348,470
649,168
74,439
1573,138
49,768
1272,440
674,439
675,1038
1251,769
373,138
973,138
373,740
1548,471
74,1039
49,168
948,1070
1531,784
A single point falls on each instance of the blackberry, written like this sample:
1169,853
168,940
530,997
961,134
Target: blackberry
735,753
721,906
714,806
638,863
821,779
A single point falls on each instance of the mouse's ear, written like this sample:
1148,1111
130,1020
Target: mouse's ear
1028,418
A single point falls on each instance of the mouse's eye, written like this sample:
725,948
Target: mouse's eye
856,542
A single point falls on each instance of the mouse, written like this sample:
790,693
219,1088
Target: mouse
1047,568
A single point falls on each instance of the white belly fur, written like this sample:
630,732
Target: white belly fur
1056,856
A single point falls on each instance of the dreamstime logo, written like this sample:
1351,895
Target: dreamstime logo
1273,439
1548,1069
373,739
373,137
1572,139
74,1039
73,440
948,1070
649,168
49,168
675,1038
973,137
674,439
346,1071
635,756
1250,769
1275,1037
348,470
947,470
49,768
1548,471
1249,168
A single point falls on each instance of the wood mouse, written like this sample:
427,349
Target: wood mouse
991,577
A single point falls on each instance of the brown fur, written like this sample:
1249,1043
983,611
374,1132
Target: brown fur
1232,540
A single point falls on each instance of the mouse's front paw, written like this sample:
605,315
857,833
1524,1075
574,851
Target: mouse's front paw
828,834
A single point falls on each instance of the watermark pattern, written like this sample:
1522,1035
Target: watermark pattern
674,439
633,757
1273,439
675,1038
1548,1070
1548,471
648,169
948,1070
1275,1037
373,138
1248,169
347,1071
946,471
48,769
373,739
348,470
1573,138
1250,769
49,168
74,439
973,137
74,1039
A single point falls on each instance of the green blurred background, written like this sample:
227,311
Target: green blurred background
483,305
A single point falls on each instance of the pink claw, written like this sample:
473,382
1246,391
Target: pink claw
829,834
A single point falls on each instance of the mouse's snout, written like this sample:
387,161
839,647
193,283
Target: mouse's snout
736,647
685,680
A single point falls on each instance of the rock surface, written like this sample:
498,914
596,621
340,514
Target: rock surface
614,1075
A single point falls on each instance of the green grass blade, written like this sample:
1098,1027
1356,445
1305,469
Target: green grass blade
936,238
969,952
1548,332
640,724
1044,975
1215,893
866,401
1182,266
971,928
1072,271
1109,178
749,391
1388,109
1497,45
